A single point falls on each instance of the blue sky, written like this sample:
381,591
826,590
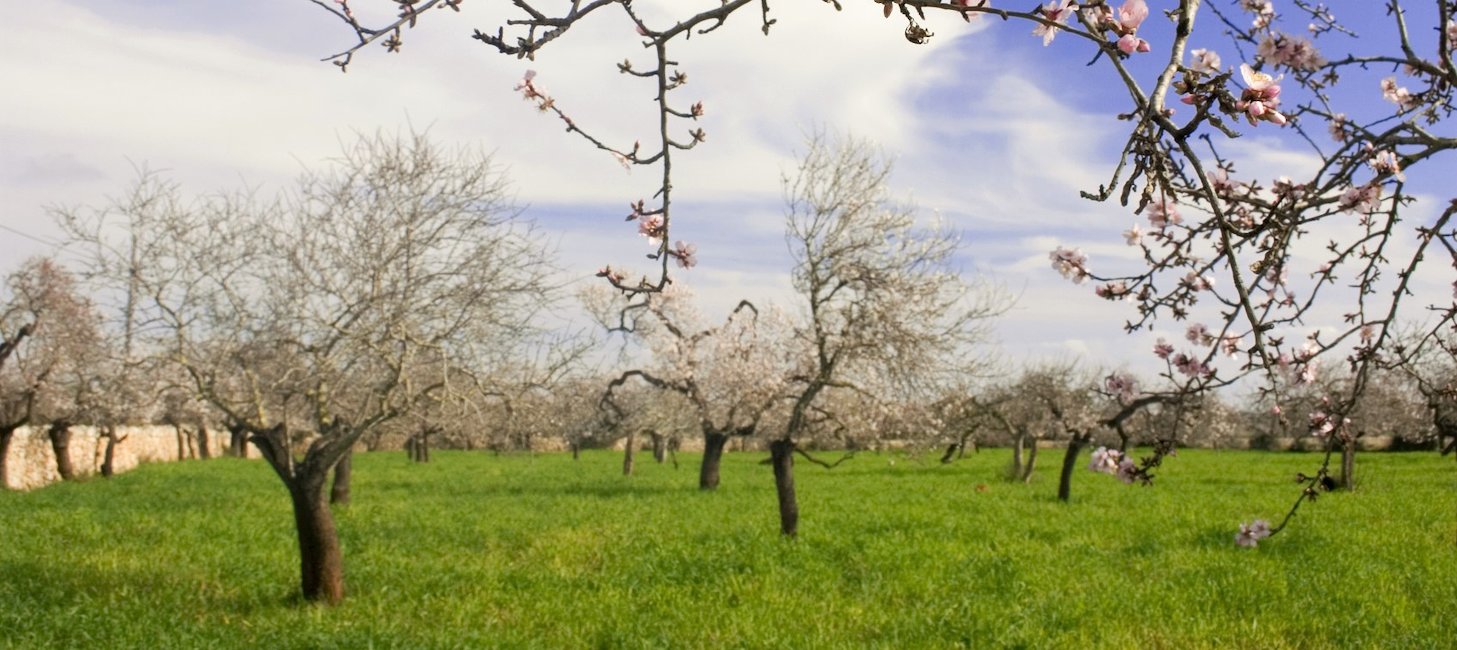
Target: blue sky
987,127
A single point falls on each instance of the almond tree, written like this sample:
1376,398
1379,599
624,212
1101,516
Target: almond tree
884,309
731,374
51,346
310,320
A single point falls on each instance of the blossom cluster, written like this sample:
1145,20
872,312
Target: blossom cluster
1114,462
1250,534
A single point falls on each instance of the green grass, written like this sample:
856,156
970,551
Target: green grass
543,552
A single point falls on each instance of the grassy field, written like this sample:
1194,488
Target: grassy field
544,552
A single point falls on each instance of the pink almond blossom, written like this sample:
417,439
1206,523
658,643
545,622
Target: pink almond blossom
1205,61
1057,12
686,254
1105,460
1398,95
1162,349
651,226
1261,97
1290,51
1121,386
1163,213
1250,534
1071,263
969,16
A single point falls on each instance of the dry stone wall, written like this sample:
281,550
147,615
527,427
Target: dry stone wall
31,463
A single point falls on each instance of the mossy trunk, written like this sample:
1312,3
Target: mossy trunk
343,472
782,457
708,471
60,435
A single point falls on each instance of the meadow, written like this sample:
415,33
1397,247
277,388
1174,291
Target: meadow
541,551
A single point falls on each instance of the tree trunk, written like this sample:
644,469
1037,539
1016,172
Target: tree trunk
238,442
576,450
181,442
660,447
782,454
203,451
1348,464
320,563
713,444
1031,464
108,460
627,451
950,454
6,435
424,447
1069,462
343,472
60,435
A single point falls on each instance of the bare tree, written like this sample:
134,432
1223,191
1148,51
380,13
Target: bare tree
310,320
53,346
884,306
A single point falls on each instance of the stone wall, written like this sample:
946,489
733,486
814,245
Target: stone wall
31,463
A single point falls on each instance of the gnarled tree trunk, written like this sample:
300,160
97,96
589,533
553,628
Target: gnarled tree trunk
782,456
60,435
708,471
321,564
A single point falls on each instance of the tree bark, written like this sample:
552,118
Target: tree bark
708,471
576,450
627,451
238,442
1348,464
950,454
202,442
108,460
782,454
343,472
1069,462
321,564
1031,463
60,435
7,434
660,447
